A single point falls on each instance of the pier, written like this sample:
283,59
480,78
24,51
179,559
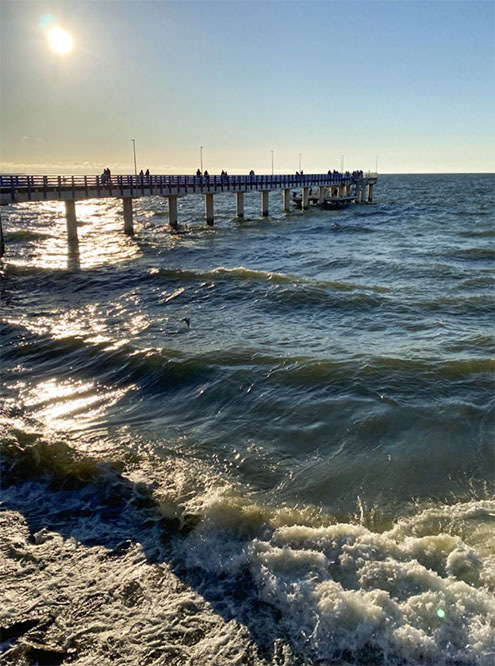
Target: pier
356,187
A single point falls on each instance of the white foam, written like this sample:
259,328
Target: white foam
420,590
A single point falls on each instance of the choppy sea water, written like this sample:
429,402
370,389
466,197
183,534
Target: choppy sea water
304,475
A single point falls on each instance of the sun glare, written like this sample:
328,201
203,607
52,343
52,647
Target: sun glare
60,41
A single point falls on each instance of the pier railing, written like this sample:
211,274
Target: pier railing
33,188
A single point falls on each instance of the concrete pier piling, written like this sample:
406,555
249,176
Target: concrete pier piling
305,198
128,221
240,204
172,211
286,200
2,244
264,203
70,217
209,209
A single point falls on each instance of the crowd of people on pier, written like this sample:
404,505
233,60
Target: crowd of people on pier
347,174
335,173
106,175
224,175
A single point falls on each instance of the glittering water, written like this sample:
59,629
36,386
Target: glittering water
305,475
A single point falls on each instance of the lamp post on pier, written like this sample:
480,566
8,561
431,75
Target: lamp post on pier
300,155
272,162
134,151
201,157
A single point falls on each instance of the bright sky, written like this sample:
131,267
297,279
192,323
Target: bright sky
408,83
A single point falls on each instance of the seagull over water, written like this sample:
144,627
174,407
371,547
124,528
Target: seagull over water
187,321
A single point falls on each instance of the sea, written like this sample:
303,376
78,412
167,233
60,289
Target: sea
266,442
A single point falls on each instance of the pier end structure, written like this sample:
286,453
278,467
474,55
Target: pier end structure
71,189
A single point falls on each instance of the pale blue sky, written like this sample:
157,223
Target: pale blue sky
410,82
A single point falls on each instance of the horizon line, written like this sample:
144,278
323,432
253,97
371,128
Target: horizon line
286,173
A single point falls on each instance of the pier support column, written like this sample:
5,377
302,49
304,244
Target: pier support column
363,195
321,194
305,198
348,190
370,193
286,201
128,225
172,211
341,190
240,204
264,203
70,217
209,209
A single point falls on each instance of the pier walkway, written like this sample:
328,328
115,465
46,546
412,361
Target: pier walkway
70,189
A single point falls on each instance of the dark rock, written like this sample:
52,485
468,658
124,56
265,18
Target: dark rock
17,629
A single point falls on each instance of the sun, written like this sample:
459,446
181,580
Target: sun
60,41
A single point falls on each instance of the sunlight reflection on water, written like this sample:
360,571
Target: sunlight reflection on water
100,231
68,405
